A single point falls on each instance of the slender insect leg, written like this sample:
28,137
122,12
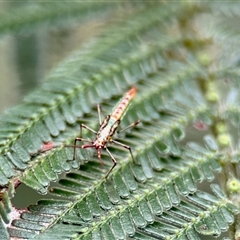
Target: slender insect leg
86,127
99,114
114,163
80,139
129,126
125,146
74,146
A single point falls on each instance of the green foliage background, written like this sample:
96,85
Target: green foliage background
183,58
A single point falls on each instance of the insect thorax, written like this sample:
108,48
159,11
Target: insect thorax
107,130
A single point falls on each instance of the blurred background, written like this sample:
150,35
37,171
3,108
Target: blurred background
26,58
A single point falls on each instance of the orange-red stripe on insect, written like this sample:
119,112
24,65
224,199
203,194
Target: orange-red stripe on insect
120,109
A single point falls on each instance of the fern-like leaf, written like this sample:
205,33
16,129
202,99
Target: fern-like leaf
185,136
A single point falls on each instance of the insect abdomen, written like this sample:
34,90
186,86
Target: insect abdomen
123,104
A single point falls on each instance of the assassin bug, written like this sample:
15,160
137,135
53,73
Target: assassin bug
107,129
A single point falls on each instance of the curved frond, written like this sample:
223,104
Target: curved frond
55,104
188,131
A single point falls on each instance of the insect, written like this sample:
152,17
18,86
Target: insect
108,127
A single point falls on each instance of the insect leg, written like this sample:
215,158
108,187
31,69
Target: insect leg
86,127
99,114
129,126
80,139
125,146
114,163
74,146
